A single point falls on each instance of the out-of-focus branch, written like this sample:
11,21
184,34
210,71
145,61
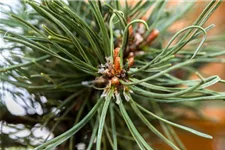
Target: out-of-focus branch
6,116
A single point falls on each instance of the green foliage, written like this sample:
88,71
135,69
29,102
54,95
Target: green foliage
64,52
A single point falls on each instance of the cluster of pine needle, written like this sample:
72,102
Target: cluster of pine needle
109,70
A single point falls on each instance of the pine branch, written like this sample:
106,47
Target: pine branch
80,55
